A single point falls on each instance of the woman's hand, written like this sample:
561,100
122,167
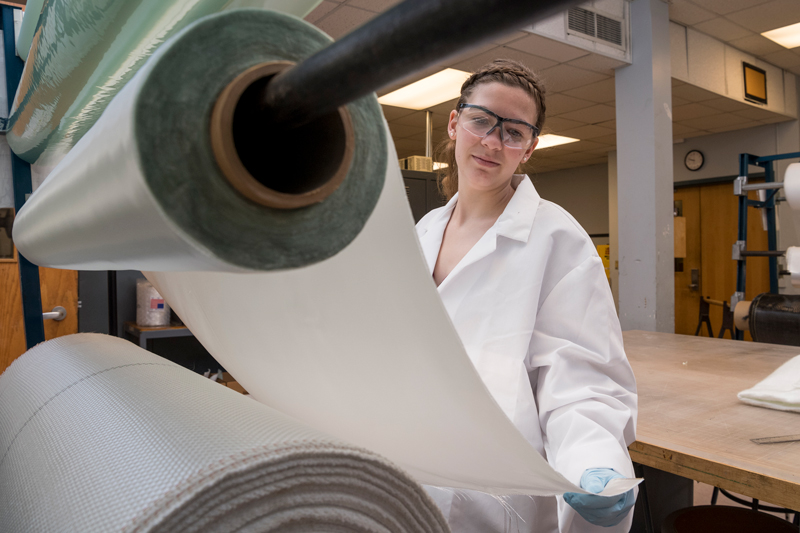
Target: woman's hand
603,511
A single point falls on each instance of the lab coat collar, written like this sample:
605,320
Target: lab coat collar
515,223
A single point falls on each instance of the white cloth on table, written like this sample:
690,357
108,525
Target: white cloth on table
780,390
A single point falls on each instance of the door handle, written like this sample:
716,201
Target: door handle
58,314
695,284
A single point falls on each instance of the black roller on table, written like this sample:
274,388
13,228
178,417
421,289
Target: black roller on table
775,318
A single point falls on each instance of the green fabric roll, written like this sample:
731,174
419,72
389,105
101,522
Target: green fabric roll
84,51
142,190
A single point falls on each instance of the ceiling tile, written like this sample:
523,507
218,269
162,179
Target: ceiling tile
714,121
755,113
558,125
689,111
564,77
726,104
610,138
587,132
416,118
400,131
679,101
592,115
693,94
609,124
548,48
320,11
601,91
597,63
677,83
687,13
756,44
697,133
393,113
736,127
558,104
344,20
681,129
774,119
723,7
723,29
768,16
445,107
582,146
784,58
475,62
507,38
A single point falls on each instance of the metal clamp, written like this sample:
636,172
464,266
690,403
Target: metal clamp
738,186
736,297
739,247
58,314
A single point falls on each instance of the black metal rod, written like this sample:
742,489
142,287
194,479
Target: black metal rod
405,39
763,253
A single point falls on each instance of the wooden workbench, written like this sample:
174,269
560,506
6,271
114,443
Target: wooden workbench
692,424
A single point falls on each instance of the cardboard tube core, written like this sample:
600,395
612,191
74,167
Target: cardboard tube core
277,165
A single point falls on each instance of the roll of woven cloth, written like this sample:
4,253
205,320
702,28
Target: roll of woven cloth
97,434
775,318
84,51
151,194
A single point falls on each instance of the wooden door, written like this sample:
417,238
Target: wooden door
687,296
712,218
59,287
719,212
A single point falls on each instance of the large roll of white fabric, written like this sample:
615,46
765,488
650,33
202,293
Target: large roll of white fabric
97,434
356,342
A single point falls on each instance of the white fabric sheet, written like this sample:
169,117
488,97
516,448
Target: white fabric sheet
780,390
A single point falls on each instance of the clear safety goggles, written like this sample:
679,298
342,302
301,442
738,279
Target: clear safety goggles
481,122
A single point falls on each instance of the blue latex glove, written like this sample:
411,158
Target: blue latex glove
603,511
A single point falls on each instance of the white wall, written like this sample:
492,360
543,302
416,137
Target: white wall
583,192
721,151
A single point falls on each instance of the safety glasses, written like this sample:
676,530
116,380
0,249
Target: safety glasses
481,122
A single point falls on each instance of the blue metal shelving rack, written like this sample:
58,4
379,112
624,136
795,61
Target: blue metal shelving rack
740,251
21,172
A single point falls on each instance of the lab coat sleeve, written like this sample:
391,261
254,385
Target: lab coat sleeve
584,387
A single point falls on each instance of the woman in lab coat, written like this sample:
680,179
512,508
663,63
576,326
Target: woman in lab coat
529,297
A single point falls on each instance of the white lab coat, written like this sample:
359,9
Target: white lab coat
533,308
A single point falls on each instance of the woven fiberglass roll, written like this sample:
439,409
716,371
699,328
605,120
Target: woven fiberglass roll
97,434
143,190
84,51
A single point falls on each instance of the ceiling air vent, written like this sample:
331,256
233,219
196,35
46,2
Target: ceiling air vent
594,26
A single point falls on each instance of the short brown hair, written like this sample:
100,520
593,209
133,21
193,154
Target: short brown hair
508,72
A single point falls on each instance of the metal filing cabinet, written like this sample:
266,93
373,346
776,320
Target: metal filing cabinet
422,192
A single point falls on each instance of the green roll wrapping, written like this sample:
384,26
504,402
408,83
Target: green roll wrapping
82,52
143,190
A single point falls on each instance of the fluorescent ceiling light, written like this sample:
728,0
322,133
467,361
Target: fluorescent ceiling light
546,141
437,165
788,36
428,92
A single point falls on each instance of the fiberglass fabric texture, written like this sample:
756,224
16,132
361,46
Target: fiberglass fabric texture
97,434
